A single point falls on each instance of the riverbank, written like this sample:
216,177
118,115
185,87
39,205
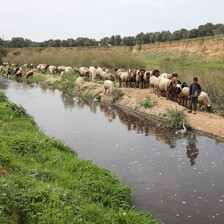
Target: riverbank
204,122
42,180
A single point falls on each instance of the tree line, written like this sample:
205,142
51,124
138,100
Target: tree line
208,29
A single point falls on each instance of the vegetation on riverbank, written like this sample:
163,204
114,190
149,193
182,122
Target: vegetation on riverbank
42,180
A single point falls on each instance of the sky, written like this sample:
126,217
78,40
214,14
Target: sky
41,20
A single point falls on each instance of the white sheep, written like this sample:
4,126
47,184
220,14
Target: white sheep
204,100
164,86
61,69
92,73
111,77
83,71
168,76
182,94
125,77
79,82
154,84
68,69
108,86
52,69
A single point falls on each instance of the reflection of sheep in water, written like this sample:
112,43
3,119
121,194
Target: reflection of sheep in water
93,107
109,112
67,100
80,103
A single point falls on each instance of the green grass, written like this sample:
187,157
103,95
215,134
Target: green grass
174,119
147,103
116,95
48,183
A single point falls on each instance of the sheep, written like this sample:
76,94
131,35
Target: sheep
19,73
103,75
204,100
42,69
169,76
29,74
108,86
76,69
125,77
79,82
182,94
15,70
133,78
52,69
92,72
155,73
68,69
9,71
111,77
83,71
154,83
164,86
139,78
146,78
118,72
61,69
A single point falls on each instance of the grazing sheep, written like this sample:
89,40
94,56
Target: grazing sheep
9,72
76,69
79,82
19,73
204,100
15,70
61,69
68,69
52,69
169,76
83,71
92,72
125,77
108,86
111,77
29,74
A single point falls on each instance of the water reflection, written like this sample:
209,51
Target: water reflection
192,150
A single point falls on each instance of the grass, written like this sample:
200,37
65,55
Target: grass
148,103
47,183
57,56
174,119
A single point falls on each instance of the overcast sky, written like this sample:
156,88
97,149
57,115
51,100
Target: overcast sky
61,19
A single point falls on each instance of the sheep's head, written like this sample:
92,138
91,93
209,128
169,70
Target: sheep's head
174,74
178,89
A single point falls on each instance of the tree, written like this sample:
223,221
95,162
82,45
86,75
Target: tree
129,41
206,30
3,53
193,33
117,40
140,38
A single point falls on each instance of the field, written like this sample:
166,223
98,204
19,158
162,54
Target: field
42,180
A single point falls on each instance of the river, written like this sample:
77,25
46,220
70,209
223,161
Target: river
179,179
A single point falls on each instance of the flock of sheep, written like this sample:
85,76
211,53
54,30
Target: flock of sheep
161,84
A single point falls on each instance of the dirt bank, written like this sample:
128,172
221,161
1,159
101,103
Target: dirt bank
211,48
202,121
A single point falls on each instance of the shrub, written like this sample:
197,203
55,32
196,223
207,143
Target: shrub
148,103
3,97
175,119
116,95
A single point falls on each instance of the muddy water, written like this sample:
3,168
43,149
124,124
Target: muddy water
180,179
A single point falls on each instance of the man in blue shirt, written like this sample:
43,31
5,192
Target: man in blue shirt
194,92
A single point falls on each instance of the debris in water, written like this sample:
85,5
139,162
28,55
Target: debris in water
183,202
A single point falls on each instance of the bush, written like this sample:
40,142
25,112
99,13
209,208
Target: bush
3,97
148,103
175,119
116,95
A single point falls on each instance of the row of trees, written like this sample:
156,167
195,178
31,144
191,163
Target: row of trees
208,29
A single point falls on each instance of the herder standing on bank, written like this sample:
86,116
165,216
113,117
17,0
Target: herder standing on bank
194,93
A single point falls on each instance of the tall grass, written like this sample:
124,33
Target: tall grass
43,181
111,59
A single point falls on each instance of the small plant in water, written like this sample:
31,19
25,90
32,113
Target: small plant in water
175,119
148,103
